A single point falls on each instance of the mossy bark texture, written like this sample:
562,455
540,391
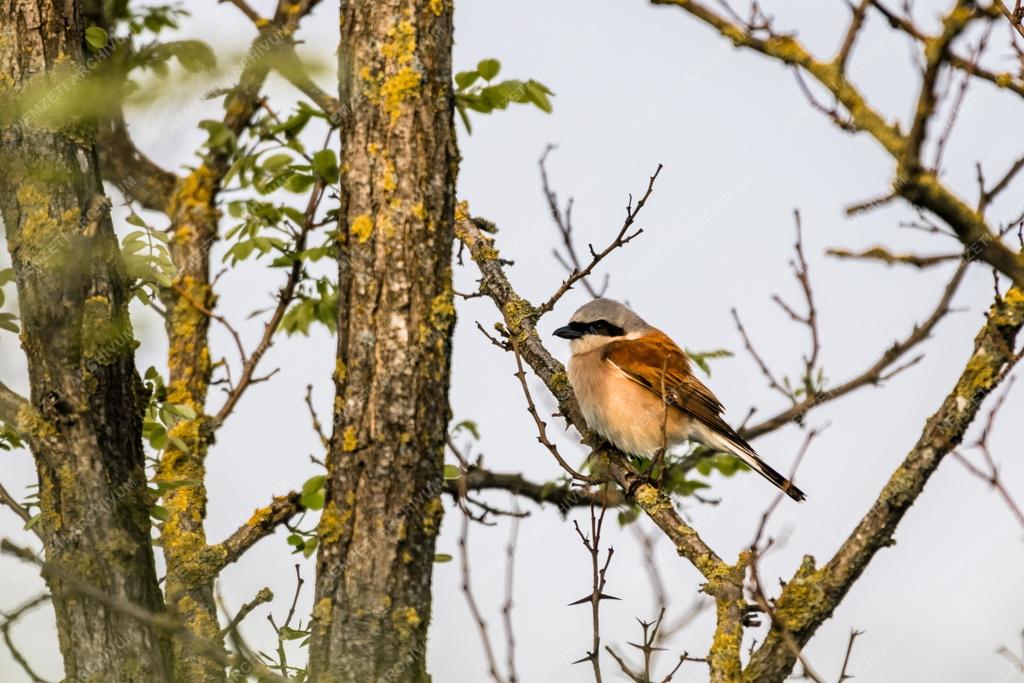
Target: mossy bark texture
84,422
383,508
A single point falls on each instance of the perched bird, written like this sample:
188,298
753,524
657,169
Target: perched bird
620,369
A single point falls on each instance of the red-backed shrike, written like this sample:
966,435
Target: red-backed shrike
621,367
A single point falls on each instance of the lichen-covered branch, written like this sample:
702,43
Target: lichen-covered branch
917,185
810,597
263,522
520,319
194,221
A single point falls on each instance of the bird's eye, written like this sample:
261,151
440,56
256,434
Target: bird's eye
605,329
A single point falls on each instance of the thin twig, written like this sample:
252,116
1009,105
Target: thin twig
621,239
467,590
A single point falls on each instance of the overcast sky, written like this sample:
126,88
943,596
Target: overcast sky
635,86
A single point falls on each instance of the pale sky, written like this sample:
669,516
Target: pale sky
636,86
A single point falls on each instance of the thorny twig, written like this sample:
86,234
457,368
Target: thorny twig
843,676
592,542
542,435
623,237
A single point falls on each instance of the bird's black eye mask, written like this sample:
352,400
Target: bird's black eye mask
603,328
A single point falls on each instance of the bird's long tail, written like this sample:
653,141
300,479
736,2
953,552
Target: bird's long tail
731,442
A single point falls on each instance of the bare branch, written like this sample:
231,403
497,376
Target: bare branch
263,522
917,185
621,239
7,499
561,495
571,261
993,354
874,374
542,435
887,257
467,590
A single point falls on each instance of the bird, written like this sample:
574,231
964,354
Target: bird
621,368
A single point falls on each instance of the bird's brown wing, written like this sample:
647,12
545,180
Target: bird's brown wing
655,361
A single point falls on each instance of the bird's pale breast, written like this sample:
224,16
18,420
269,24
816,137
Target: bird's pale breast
619,409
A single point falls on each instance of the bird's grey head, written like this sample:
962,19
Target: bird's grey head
599,322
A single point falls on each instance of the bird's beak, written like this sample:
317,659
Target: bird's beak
568,333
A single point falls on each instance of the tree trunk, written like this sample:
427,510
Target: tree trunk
399,161
84,423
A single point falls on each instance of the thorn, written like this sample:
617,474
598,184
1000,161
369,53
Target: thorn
590,598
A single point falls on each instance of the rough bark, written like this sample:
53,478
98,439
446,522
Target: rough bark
383,507
84,422
192,564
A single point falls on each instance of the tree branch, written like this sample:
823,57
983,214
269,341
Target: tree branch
810,597
560,495
520,319
10,403
918,186
874,374
264,522
131,171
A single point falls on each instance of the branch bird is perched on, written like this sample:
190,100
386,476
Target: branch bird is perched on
621,367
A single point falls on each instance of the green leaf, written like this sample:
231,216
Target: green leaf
7,322
159,512
470,427
310,546
442,557
275,162
292,633
193,55
488,68
299,182
325,163
538,94
96,37
451,472
219,134
464,79
313,492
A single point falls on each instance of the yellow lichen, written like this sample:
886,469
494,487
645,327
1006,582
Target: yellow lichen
362,227
398,88
322,613
442,309
401,43
348,439
340,371
437,6
418,211
334,522
432,513
462,211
